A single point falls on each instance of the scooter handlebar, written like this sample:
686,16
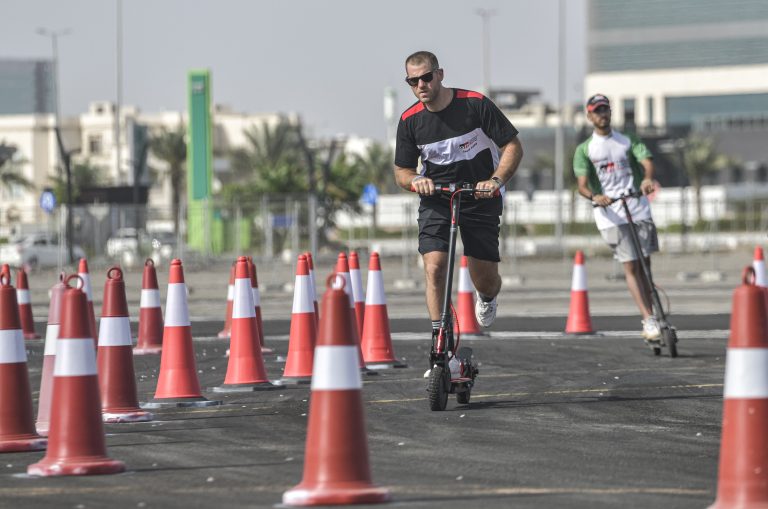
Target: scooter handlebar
465,188
629,194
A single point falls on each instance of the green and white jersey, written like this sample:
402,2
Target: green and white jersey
612,167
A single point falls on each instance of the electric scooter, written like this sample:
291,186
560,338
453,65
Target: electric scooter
445,353
668,332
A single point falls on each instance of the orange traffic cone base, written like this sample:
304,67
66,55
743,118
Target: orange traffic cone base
130,416
262,386
148,351
95,467
295,380
197,402
346,494
29,442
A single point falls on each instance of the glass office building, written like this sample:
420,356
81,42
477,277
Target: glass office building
27,87
681,63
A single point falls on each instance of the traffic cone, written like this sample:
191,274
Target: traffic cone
312,280
49,357
257,304
358,296
342,270
303,335
177,383
245,370
466,322
76,444
758,264
743,471
376,342
82,271
117,379
17,423
579,320
336,466
225,332
25,306
150,339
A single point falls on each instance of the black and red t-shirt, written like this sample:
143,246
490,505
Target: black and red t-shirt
456,144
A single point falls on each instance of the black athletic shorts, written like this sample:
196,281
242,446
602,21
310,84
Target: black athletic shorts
479,232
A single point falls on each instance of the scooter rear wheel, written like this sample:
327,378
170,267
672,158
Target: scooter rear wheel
437,389
670,338
462,398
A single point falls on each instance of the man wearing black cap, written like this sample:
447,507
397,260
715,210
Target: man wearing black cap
607,165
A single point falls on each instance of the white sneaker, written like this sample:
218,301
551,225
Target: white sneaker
427,373
651,330
485,312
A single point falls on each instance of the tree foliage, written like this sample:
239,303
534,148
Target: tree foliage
700,157
170,146
10,175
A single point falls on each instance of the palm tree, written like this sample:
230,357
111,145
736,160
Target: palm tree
699,157
171,148
9,169
83,175
270,162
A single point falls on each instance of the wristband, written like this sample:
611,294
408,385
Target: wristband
498,181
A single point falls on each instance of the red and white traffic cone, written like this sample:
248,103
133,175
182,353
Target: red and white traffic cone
49,357
342,270
312,280
117,378
336,464
225,332
177,383
466,322
743,471
82,271
25,306
17,423
358,296
76,444
303,335
150,339
245,370
758,264
579,319
376,342
257,304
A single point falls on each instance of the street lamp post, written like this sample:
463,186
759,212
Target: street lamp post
485,15
54,35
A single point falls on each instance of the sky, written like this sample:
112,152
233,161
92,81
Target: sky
328,61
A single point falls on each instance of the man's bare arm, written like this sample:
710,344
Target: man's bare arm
511,154
410,180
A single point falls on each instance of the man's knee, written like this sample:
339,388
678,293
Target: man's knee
435,271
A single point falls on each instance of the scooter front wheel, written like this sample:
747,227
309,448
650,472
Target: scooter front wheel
438,388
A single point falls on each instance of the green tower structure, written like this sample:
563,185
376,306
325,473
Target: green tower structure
204,228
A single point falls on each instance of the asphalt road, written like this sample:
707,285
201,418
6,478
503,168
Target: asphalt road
554,421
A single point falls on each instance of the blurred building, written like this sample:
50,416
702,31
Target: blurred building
28,122
27,87
676,66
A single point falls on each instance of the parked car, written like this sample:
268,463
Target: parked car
36,250
124,240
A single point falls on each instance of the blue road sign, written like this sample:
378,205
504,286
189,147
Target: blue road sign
48,201
370,195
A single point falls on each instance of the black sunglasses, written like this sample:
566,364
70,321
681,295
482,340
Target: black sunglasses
426,78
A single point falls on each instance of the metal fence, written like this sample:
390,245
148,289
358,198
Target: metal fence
281,227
